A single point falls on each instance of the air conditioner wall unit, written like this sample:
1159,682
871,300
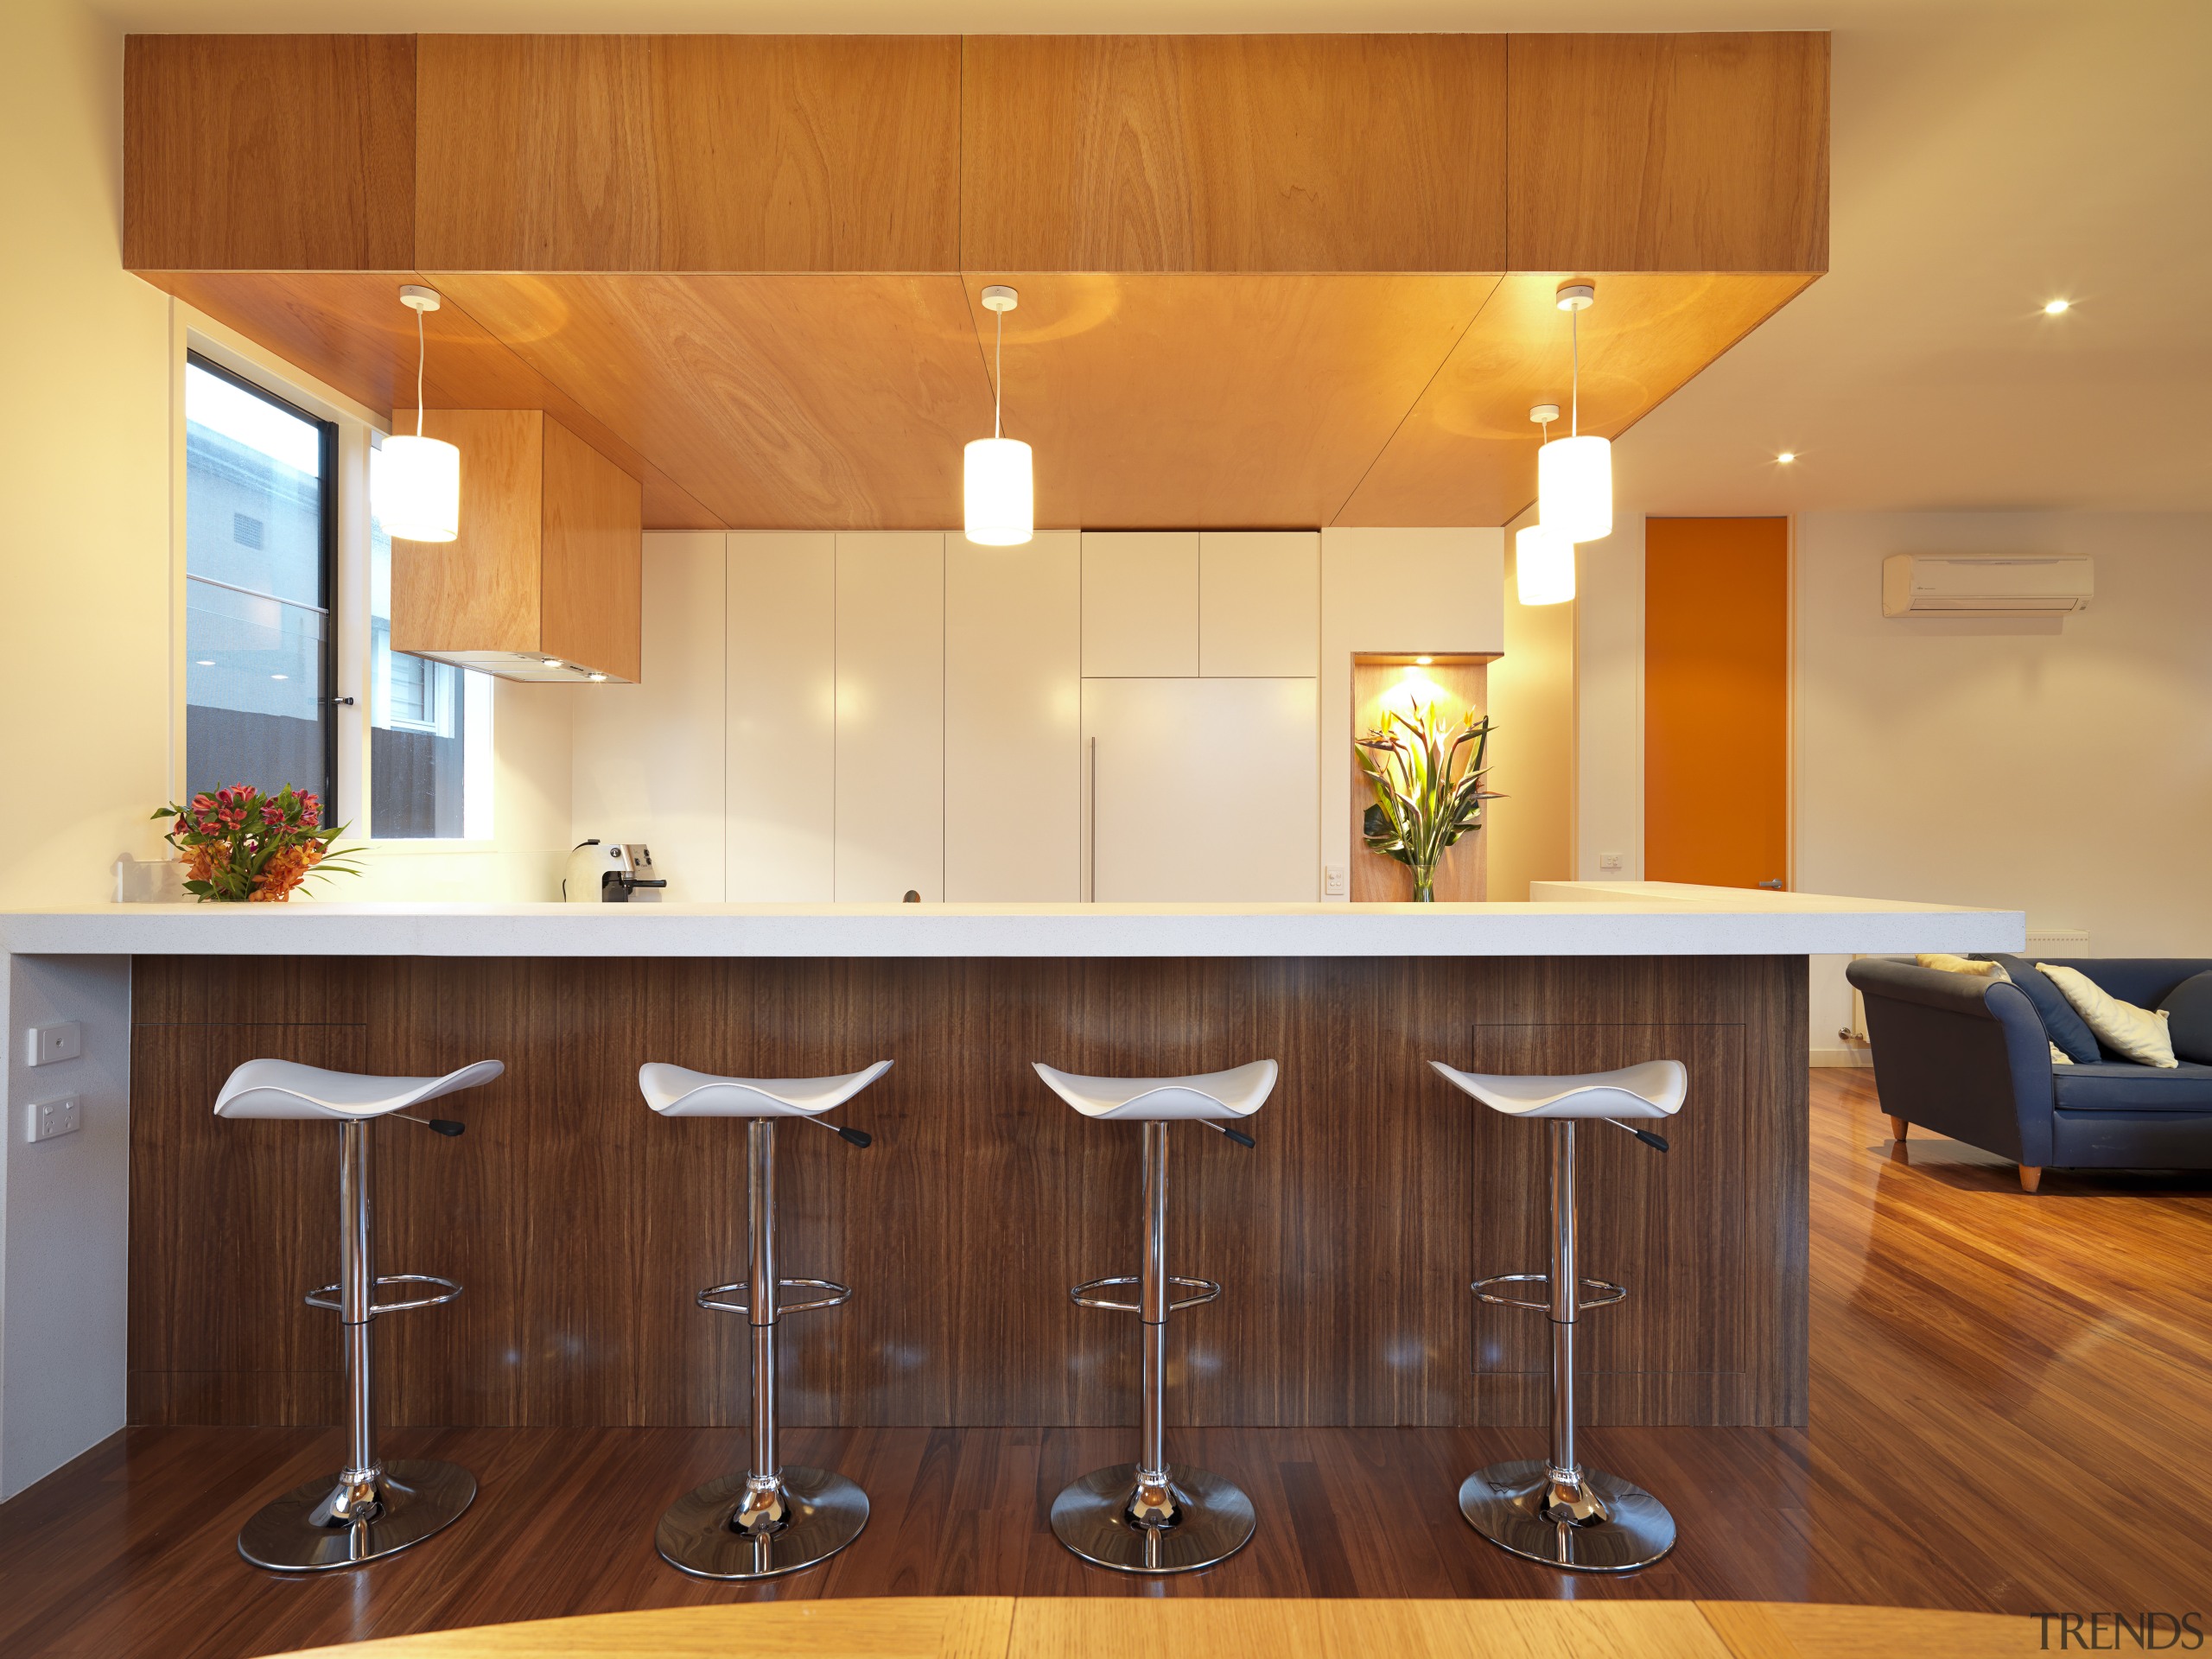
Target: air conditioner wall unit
1917,584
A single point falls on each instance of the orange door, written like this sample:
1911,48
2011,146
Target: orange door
1716,701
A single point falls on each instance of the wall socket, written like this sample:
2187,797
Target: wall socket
51,1043
52,1118
1335,883
1609,862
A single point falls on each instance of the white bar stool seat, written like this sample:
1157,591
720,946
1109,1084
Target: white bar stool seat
1556,1511
371,1509
675,1092
1214,1095
1148,1518
772,1519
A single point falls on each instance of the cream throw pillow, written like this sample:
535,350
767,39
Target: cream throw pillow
2140,1033
1950,964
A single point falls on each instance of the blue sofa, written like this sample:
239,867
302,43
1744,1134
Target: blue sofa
1970,1058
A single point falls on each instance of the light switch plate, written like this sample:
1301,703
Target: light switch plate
1333,884
53,1118
52,1043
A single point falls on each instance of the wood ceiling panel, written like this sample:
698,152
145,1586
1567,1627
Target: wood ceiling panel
1216,401
350,331
1229,153
276,152
814,402
1466,454
690,153
1668,152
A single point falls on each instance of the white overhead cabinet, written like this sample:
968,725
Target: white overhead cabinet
1203,789
1259,603
1140,603
1013,715
890,834
779,677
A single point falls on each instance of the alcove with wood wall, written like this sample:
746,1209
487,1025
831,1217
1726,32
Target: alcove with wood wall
1458,683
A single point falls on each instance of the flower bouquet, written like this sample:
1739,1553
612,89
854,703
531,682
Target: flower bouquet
239,844
1428,789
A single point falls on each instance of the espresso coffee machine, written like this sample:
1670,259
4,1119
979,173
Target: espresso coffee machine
609,873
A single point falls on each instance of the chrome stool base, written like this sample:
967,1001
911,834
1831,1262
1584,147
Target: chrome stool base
1090,1516
416,1497
1504,1502
826,1510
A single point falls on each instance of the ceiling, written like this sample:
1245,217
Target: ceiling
1987,156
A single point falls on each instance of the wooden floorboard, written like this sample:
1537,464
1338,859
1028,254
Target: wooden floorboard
1988,1369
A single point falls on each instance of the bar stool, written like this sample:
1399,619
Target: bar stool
770,1520
371,1509
1148,1518
1557,1511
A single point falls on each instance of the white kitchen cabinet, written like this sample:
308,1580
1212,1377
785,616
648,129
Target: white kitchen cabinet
648,760
1012,718
780,733
890,723
1140,603
1259,603
1202,789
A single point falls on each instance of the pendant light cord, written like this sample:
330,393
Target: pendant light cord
422,350
998,375
1574,400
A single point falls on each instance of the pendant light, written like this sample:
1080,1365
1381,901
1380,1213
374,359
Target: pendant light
418,479
1000,497
1575,477
1543,560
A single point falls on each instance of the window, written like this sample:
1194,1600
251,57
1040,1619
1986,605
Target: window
430,727
260,513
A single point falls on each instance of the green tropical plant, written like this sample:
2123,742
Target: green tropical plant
1426,773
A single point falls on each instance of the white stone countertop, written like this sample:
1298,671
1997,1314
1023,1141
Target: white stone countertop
1564,919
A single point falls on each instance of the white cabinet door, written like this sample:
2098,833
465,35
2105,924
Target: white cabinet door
648,760
780,679
1260,602
890,824
1012,718
1140,602
1203,789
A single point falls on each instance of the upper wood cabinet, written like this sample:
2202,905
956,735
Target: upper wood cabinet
1668,152
269,152
689,152
1233,152
548,562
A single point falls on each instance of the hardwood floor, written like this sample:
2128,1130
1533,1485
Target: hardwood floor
1987,1367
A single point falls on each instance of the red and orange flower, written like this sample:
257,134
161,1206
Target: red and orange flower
240,845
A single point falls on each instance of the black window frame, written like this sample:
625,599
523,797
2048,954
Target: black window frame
332,699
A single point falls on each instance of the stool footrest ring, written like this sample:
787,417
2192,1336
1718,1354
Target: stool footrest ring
1608,1294
327,1296
720,1298
1086,1294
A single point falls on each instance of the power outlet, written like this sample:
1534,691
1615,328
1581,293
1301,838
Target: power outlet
51,1043
50,1118
1609,862
1335,883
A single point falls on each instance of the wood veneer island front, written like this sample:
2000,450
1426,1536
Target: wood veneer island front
581,1225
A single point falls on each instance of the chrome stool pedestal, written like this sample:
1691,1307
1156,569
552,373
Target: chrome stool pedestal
373,1507
1556,1511
1153,1517
774,1518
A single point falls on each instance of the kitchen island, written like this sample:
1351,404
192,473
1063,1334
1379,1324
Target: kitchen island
581,1225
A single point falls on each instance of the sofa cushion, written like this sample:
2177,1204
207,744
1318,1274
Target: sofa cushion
2065,1027
2134,1033
2188,1009
2123,1086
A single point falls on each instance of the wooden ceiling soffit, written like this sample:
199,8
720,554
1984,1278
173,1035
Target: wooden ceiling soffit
688,153
1168,401
1466,452
1234,153
350,331
814,402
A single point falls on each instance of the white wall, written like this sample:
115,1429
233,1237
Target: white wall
2064,771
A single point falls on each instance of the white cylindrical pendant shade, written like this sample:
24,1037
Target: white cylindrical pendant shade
1574,488
1543,566
418,489
1001,509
